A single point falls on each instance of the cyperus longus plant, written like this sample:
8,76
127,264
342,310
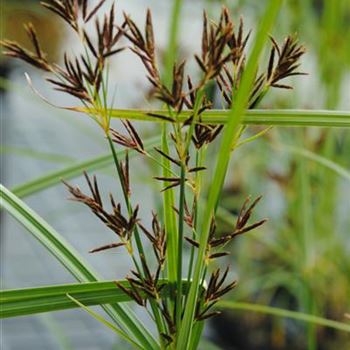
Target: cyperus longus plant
179,297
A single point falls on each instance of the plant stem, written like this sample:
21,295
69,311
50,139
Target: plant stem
126,196
168,196
179,246
200,155
169,215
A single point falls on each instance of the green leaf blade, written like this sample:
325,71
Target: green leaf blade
269,310
72,261
53,178
30,301
268,117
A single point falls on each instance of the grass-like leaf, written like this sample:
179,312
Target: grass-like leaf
53,178
72,261
269,310
37,155
276,117
105,322
327,163
29,301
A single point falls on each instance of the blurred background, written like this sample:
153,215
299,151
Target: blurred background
299,260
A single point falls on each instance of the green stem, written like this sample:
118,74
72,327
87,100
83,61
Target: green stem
169,215
126,196
119,171
168,197
179,246
198,182
186,144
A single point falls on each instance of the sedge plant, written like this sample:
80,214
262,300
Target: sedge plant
178,296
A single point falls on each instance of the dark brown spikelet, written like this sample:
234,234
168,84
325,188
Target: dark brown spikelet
68,10
107,247
177,94
283,63
115,220
167,156
81,76
238,43
133,141
107,37
192,241
36,58
203,133
245,213
72,79
218,255
169,320
125,178
132,292
227,68
211,295
88,16
144,48
144,286
288,57
84,5
173,182
150,46
220,45
83,72
157,238
231,70
215,288
241,226
189,214
161,117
